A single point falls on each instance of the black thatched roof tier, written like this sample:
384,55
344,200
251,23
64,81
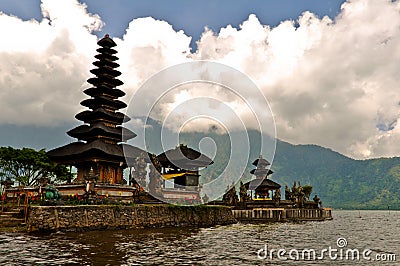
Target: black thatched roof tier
104,91
104,63
261,162
261,172
105,70
262,184
100,101
106,57
86,132
106,42
183,157
104,80
106,50
97,150
100,114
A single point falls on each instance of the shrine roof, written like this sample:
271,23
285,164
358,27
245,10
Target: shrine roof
262,184
184,157
259,172
261,162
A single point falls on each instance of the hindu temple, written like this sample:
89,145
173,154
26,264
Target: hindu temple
101,137
100,154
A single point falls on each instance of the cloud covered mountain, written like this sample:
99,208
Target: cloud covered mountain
329,82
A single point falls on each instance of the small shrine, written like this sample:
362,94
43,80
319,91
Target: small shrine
265,194
264,188
100,140
180,166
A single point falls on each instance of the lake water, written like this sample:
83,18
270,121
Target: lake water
376,233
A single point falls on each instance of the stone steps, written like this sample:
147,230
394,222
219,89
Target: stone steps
11,221
11,218
10,213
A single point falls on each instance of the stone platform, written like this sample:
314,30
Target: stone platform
282,215
100,217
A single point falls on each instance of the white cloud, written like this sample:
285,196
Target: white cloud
332,83
328,82
148,46
43,65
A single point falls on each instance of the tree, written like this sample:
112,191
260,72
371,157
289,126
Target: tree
307,189
27,166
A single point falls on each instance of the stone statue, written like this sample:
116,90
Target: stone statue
294,193
243,193
317,200
91,176
301,198
298,195
288,194
155,181
277,197
205,198
294,185
299,188
139,174
230,197
278,194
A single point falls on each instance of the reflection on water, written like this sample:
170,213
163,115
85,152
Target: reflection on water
223,245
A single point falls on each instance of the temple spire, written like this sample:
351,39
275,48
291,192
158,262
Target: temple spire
100,138
103,121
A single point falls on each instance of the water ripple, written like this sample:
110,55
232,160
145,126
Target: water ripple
222,245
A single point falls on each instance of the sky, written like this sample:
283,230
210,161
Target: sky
329,69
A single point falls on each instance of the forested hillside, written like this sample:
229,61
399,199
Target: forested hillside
339,181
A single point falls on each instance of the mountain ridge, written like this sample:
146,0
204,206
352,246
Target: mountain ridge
340,181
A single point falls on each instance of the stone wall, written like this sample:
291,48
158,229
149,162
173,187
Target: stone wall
282,215
97,217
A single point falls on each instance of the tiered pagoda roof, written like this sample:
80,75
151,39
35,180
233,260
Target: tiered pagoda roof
100,137
261,171
260,162
261,183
